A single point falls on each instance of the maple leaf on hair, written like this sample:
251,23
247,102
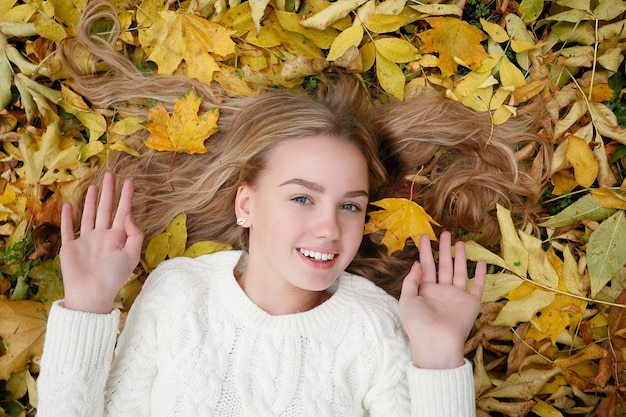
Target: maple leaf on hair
185,131
402,219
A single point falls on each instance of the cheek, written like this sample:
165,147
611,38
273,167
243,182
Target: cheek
353,230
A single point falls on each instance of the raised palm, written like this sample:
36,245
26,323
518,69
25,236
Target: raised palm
97,264
437,310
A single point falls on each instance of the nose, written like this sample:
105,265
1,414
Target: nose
327,225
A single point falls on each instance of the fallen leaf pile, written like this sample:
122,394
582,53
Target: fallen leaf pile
551,339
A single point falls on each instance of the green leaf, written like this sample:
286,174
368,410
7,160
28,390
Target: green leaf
5,82
571,16
586,208
530,9
47,276
606,252
609,9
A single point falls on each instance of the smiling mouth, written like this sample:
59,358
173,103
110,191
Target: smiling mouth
317,256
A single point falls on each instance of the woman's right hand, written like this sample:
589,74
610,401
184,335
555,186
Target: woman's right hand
96,265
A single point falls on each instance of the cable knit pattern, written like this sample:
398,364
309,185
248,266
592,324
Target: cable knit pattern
195,345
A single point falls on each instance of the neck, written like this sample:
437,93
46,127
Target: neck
282,300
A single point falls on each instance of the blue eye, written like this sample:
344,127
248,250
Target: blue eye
301,200
351,207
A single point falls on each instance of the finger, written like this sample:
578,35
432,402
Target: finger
445,259
134,239
67,224
124,205
478,285
460,266
427,262
105,206
411,283
88,219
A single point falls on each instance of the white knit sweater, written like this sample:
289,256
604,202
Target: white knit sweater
195,345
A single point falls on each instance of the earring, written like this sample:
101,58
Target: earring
241,221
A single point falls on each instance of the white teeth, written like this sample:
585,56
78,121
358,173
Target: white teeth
318,256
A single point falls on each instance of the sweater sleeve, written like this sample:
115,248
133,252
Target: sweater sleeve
442,392
75,363
79,376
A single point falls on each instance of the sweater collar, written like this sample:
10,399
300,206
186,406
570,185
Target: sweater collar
245,311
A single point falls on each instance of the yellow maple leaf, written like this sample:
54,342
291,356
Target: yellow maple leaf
184,131
47,159
22,328
565,311
402,218
453,38
180,36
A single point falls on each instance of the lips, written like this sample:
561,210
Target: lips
317,256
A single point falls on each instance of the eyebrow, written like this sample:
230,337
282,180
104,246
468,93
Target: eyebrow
320,189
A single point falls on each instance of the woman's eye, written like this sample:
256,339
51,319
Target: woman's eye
301,200
351,207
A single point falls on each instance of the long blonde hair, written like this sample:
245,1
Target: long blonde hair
458,165
469,164
204,186
463,163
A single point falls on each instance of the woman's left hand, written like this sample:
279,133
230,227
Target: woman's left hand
437,310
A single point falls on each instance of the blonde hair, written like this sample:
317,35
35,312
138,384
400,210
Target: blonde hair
469,166
204,186
458,165
467,163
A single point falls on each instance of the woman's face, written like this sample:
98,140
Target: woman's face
305,213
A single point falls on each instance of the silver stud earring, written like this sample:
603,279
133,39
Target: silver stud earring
241,221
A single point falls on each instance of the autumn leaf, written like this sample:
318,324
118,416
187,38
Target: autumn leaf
606,253
22,328
178,36
204,248
390,76
608,198
47,276
173,243
514,252
349,37
582,159
565,311
47,159
453,39
523,385
403,219
585,208
184,131
524,308
331,14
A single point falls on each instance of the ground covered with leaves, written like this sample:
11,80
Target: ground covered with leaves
551,339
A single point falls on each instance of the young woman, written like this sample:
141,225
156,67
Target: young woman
276,327
279,329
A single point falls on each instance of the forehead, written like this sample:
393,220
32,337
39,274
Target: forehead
318,157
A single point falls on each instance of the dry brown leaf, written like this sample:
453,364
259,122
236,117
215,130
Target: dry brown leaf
22,328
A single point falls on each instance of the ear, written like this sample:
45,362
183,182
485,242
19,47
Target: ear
243,203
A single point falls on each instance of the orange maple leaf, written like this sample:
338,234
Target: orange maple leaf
402,218
184,131
453,38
